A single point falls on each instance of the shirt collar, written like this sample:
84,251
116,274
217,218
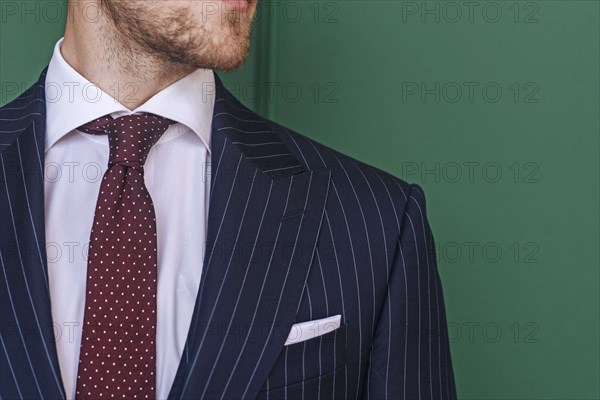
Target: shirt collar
72,100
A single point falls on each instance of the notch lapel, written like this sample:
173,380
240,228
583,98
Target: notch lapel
264,218
27,333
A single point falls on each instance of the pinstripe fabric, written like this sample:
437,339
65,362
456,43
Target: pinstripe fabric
296,232
26,324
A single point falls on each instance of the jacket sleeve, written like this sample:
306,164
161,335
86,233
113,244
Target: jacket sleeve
410,352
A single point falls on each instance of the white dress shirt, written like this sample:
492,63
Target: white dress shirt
177,179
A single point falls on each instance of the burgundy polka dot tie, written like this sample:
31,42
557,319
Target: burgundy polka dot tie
118,349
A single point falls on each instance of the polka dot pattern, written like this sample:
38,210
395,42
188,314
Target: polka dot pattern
118,351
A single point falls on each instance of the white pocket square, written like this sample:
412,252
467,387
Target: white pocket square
311,329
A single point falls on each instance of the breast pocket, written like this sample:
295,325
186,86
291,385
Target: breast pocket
307,366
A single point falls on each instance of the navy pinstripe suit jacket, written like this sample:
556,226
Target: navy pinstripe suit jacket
296,232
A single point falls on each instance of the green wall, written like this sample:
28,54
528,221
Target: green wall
493,107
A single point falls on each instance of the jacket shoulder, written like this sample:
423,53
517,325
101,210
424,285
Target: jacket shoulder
25,102
19,113
347,172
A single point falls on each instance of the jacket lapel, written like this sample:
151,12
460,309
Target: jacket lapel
264,217
27,329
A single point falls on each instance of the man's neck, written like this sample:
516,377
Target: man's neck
130,75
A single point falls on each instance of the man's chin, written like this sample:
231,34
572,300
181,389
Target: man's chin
222,62
230,65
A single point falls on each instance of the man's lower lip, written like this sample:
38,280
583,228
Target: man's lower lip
236,5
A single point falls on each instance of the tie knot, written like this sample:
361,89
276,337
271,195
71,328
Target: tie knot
130,137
